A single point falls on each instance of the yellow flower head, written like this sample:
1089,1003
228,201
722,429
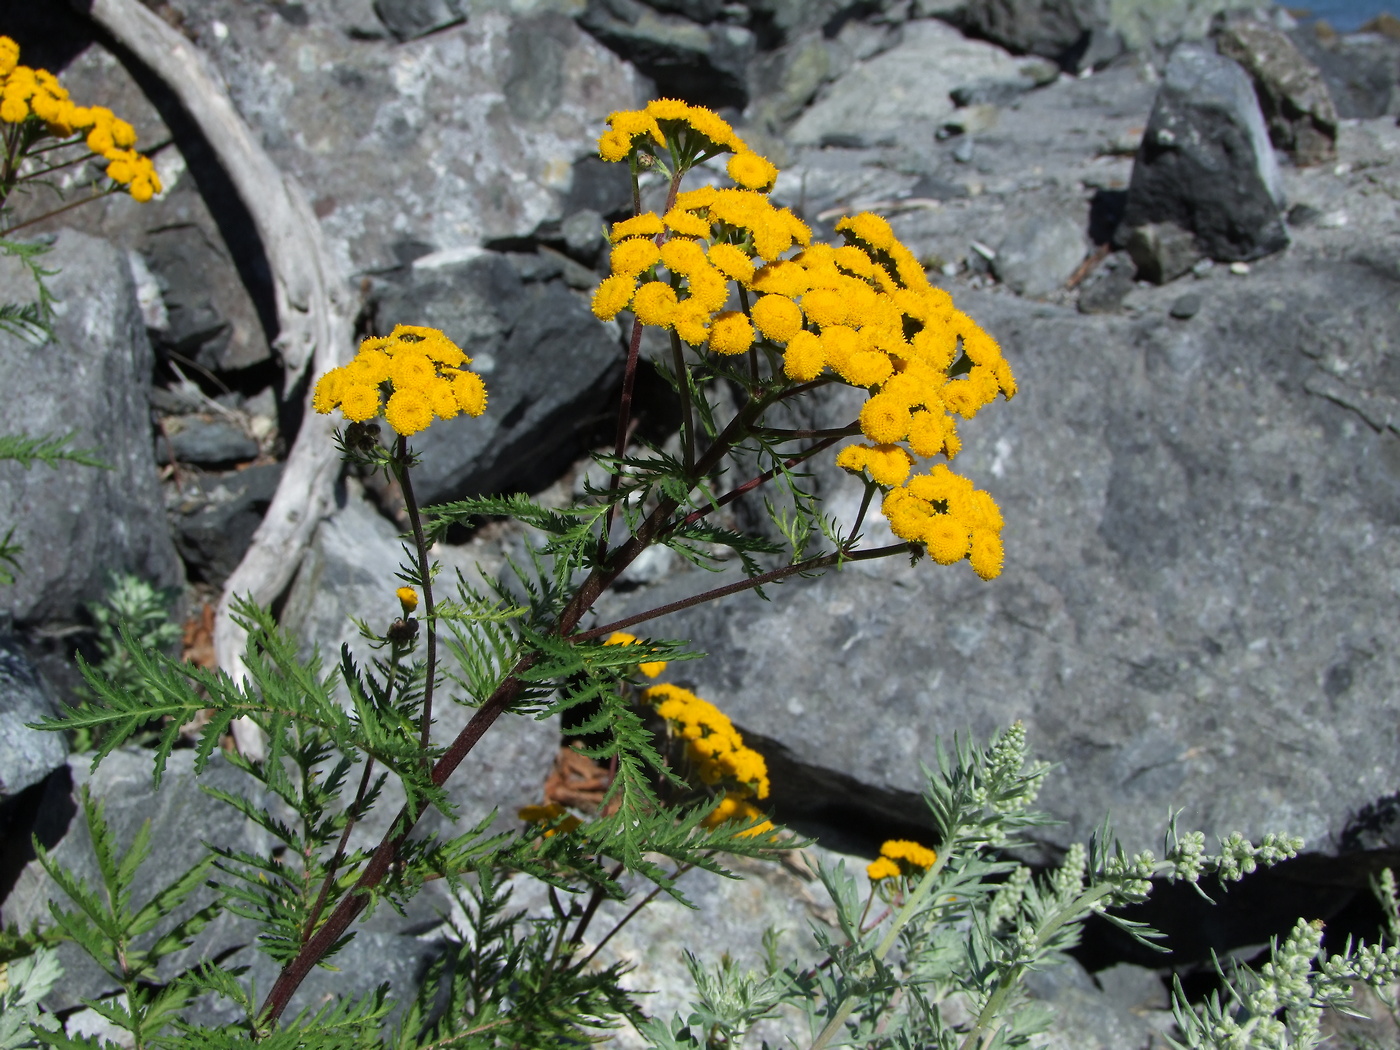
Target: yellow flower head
408,599
752,172
551,813
9,56
632,256
655,304
777,317
731,334
613,295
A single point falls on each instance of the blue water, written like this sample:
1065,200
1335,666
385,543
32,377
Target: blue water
1345,15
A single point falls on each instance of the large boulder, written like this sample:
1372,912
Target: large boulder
1050,28
1206,163
78,524
1190,614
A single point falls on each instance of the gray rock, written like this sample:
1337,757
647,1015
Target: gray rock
545,359
1091,1016
1293,96
1155,627
787,79
1361,70
705,64
1103,291
534,86
1038,254
901,95
1157,25
213,535
203,441
1000,91
584,235
1186,307
78,524
1050,28
1162,251
209,317
1205,162
27,755
407,19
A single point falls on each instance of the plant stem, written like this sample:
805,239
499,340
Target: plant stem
754,482
629,916
334,865
687,419
594,899
823,561
420,547
57,211
901,919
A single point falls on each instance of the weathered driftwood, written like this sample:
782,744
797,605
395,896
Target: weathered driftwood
314,309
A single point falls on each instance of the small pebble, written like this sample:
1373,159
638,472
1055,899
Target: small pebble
962,152
1239,268
1186,307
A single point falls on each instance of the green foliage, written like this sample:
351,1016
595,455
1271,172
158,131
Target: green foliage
26,981
29,321
128,940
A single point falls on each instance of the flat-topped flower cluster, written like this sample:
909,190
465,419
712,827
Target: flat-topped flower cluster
422,372
730,273
27,93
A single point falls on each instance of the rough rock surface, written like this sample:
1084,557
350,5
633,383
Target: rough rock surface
27,755
214,528
901,94
1205,162
76,523
1296,104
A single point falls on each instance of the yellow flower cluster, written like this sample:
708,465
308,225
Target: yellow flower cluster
900,857
716,750
688,132
650,668
26,93
863,313
420,369
408,599
549,814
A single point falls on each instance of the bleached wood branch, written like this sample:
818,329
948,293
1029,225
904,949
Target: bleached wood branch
314,309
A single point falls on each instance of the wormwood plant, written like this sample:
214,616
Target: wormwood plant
932,956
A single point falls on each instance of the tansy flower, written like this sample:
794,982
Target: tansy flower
686,223
804,359
898,856
470,391
731,334
752,171
777,317
882,868
408,411
884,420
632,256
655,304
408,599
612,295
731,261
647,224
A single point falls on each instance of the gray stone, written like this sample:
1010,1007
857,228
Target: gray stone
407,19
204,441
27,755
534,86
1361,70
1001,91
209,317
1089,1016
584,235
1296,104
1157,25
1186,307
1039,254
545,359
970,120
1162,251
214,533
704,64
1103,291
1050,28
1205,162
901,95
78,524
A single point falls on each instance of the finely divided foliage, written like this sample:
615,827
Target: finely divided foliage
932,952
